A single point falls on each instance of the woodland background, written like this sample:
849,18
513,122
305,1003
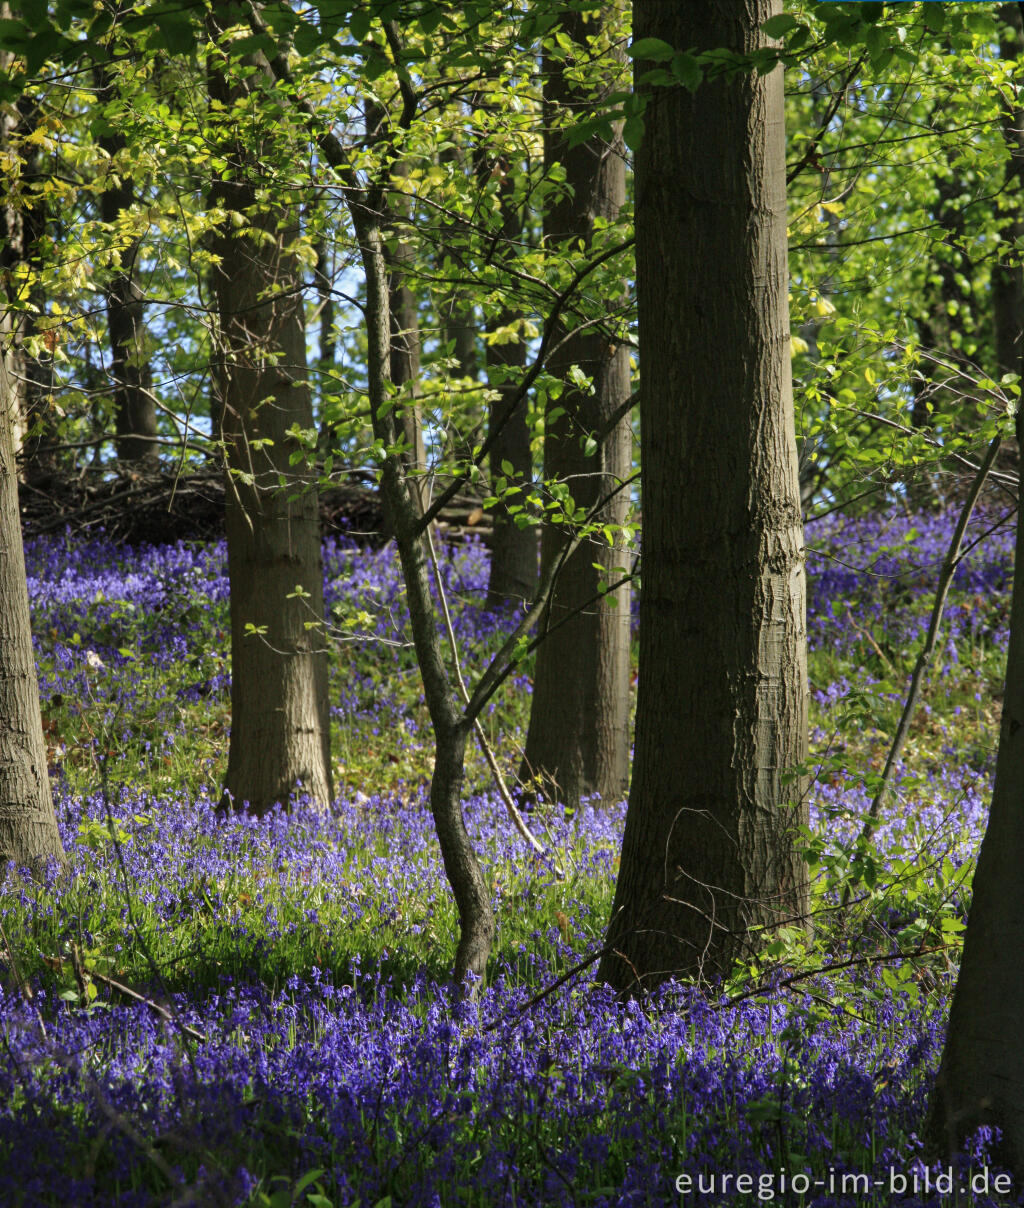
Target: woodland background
424,775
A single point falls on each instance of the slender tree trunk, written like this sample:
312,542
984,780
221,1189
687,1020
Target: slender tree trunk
404,355
513,571
708,855
28,828
328,342
469,886
132,379
280,724
578,739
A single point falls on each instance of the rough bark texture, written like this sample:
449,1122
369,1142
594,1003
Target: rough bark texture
722,711
131,376
981,1075
513,571
280,731
23,221
28,828
578,738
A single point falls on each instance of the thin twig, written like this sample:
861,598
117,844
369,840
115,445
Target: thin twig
954,556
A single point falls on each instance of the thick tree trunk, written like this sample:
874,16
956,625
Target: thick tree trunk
708,854
981,1076
28,828
578,739
280,724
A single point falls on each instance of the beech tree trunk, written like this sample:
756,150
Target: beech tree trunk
23,222
280,724
131,375
708,855
578,738
450,727
404,353
981,1075
28,827
513,571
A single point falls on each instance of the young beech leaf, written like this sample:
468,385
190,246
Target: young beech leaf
778,25
654,49
633,132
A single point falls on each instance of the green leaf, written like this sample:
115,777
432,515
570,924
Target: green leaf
654,49
13,35
174,32
687,70
781,23
307,1180
308,38
359,24
633,132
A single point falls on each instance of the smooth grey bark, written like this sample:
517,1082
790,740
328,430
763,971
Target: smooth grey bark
708,854
28,827
280,723
512,576
131,375
578,738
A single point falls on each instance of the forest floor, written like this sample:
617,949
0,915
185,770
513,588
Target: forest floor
210,1011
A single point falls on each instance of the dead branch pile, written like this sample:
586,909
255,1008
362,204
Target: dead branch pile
162,505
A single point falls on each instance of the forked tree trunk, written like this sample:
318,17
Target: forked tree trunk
280,724
578,739
469,886
28,828
708,853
